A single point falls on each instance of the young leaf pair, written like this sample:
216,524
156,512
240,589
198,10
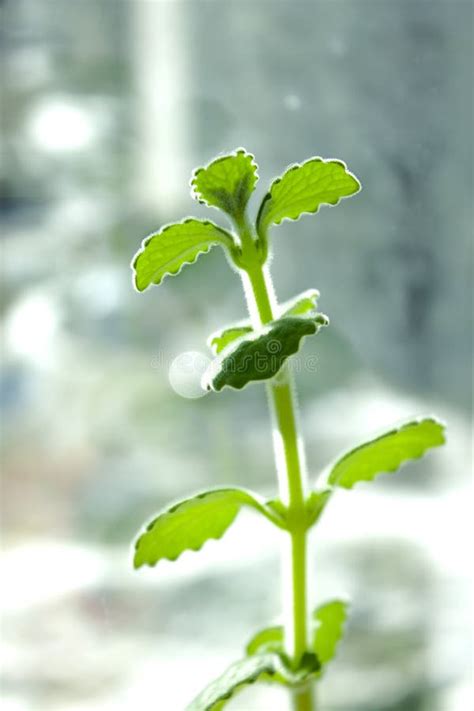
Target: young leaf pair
190,523
227,184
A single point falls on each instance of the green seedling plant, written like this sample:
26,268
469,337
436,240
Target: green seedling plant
296,653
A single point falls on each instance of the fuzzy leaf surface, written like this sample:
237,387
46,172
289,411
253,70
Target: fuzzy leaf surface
329,619
303,188
387,452
164,253
227,183
238,675
190,523
220,340
302,305
260,356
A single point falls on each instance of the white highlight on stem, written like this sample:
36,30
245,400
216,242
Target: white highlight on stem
250,298
279,446
287,594
279,455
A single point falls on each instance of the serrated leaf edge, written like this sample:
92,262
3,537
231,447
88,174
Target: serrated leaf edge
259,505
271,670
253,335
316,624
190,549
417,420
228,242
233,154
295,166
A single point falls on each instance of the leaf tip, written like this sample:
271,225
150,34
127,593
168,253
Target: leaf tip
322,320
138,287
138,562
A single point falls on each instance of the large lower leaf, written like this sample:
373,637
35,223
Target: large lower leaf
227,183
190,523
303,189
167,251
247,671
329,622
387,452
259,356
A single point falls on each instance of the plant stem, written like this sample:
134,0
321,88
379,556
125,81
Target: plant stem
290,465
304,700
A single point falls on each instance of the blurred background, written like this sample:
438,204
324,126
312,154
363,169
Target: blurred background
108,105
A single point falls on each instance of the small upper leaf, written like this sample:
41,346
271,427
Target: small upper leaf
247,671
329,619
387,452
190,523
227,183
315,504
167,251
300,305
259,356
221,339
303,189
270,639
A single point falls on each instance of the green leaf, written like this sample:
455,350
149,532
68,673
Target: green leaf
190,523
259,356
387,452
316,503
329,619
271,641
303,188
267,640
227,183
240,674
300,305
167,251
221,339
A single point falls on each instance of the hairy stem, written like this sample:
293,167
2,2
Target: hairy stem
290,465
